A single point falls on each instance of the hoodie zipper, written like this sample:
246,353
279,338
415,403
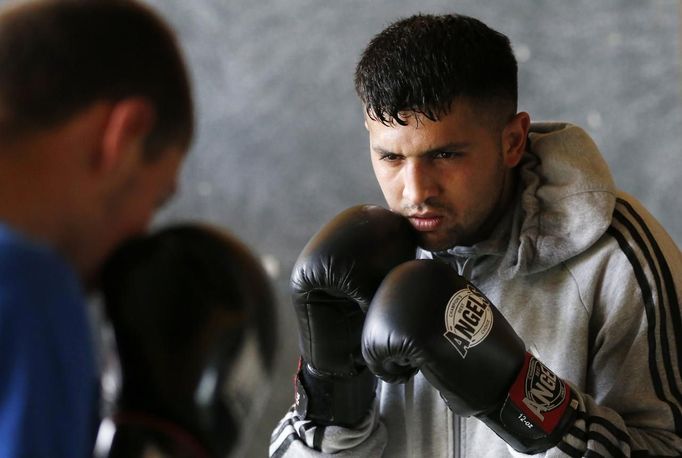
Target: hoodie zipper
456,439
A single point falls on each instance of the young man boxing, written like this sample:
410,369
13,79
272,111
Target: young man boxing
544,314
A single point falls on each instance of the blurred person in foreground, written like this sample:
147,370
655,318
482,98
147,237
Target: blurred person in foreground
96,117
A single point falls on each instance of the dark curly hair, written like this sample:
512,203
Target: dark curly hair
423,63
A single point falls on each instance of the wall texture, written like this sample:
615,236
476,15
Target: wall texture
281,146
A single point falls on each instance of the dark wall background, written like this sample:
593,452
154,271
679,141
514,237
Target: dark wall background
281,146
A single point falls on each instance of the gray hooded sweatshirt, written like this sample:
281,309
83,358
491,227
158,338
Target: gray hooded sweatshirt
591,282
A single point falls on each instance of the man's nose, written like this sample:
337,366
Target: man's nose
419,183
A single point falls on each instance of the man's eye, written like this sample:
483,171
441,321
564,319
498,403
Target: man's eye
445,155
389,157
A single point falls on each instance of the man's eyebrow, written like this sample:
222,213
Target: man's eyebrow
380,150
454,146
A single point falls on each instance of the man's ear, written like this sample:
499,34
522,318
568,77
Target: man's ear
129,123
514,136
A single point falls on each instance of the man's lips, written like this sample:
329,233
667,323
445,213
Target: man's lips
425,223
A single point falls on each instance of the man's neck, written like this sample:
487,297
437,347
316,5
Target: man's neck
505,199
31,196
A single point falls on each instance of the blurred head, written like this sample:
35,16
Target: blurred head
58,57
193,316
95,105
440,100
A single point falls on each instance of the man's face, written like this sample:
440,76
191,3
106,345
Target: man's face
127,208
451,178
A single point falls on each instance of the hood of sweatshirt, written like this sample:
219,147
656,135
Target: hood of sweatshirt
564,203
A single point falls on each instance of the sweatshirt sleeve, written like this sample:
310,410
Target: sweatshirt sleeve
602,431
631,404
296,437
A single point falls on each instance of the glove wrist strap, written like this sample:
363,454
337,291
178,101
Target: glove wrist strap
537,411
329,400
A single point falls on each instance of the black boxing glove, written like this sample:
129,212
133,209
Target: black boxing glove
195,326
426,317
333,282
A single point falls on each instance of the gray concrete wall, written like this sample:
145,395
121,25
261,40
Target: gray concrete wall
281,145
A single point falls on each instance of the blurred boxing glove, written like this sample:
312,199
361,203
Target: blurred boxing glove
333,282
426,317
193,316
